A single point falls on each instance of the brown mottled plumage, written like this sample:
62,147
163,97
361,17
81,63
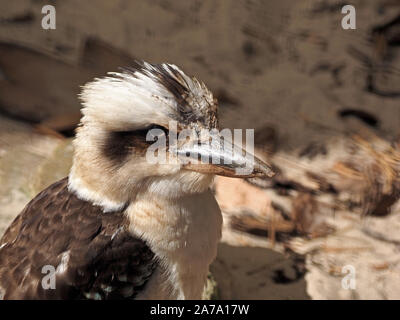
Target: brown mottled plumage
104,260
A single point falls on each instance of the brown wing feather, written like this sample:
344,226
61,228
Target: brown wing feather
92,252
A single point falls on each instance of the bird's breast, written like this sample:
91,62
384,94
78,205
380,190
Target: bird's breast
184,234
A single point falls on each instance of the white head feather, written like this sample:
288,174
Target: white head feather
135,98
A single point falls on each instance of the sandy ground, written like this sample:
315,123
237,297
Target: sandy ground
258,273
284,68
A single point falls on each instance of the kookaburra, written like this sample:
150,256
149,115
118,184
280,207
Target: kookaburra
119,226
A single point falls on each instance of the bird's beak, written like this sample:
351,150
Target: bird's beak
221,157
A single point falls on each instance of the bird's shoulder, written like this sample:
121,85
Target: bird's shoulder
92,253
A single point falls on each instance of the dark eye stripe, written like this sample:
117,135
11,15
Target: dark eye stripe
120,144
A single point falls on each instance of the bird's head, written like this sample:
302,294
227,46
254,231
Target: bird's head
130,137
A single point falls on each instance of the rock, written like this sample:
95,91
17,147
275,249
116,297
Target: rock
28,163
